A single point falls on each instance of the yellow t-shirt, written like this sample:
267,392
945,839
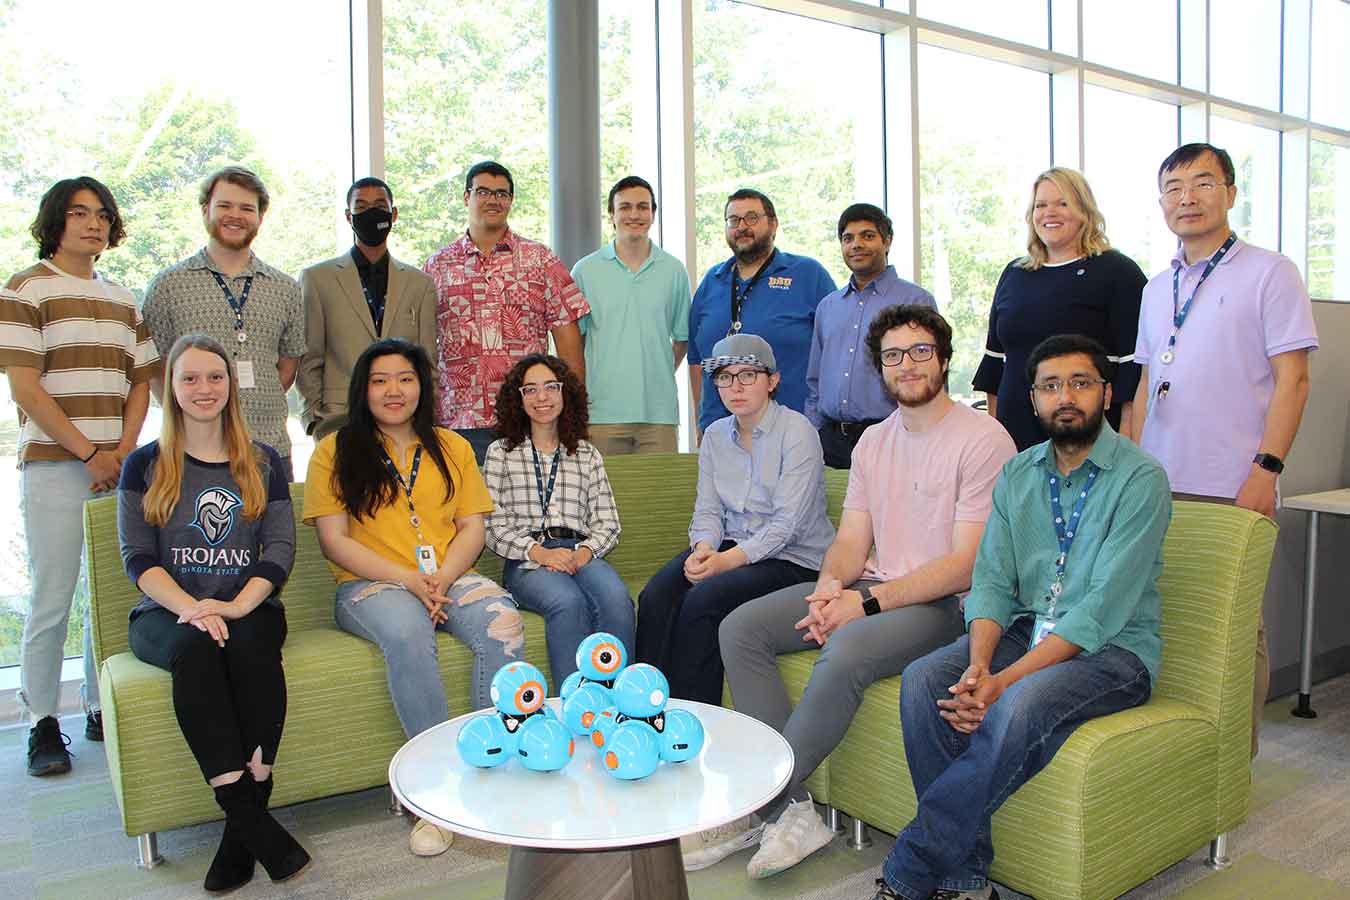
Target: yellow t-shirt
390,532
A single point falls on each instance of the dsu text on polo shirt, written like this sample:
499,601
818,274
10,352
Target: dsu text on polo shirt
781,308
841,381
1207,426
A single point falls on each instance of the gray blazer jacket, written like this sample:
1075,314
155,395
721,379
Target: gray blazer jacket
338,328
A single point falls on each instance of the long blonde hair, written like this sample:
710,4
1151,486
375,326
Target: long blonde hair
163,493
1091,239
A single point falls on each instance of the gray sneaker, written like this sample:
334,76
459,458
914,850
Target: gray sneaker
707,848
797,834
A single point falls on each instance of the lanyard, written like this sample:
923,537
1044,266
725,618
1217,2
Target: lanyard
738,302
376,309
237,305
1065,531
407,485
545,495
1179,313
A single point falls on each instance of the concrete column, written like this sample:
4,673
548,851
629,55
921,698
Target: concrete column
574,127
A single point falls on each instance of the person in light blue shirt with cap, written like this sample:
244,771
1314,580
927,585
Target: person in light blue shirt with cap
759,521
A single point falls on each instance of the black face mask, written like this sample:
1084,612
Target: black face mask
372,226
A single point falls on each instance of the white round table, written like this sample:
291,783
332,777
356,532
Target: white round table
578,831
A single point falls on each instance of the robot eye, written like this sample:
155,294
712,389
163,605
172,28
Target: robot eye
529,697
605,658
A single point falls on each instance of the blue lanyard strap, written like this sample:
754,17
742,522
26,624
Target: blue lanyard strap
738,302
376,309
236,305
407,484
1066,529
1179,313
545,494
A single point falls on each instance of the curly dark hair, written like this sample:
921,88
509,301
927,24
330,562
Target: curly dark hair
909,314
514,425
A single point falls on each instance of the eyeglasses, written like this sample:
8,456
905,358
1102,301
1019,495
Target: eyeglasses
1077,385
749,219
746,377
1199,189
483,193
894,356
549,387
82,214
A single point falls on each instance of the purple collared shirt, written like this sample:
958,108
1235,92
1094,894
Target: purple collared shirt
1208,426
841,381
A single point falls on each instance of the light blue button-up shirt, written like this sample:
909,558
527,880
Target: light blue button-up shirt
770,499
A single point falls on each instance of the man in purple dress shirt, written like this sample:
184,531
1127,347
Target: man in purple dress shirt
1224,337
844,392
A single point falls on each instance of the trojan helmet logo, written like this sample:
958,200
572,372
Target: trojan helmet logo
215,513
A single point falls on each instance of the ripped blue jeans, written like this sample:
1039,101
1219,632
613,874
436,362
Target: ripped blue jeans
481,614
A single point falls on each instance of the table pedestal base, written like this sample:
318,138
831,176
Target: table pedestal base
648,872
1304,709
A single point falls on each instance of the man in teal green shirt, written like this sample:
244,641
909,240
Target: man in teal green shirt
1063,617
637,330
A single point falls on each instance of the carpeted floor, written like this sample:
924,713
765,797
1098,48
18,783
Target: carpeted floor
60,837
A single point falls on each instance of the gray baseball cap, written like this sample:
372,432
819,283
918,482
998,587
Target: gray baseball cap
741,349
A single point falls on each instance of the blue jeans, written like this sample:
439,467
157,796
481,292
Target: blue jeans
961,780
385,613
573,606
52,496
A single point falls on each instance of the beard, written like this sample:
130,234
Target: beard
758,248
1072,435
240,243
927,389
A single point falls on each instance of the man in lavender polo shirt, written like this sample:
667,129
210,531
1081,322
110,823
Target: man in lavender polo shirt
844,391
919,492
1223,391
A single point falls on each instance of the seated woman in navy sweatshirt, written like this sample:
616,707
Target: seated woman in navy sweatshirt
209,537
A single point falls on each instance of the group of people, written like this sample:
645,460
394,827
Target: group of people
954,561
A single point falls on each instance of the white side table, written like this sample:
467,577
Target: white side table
579,831
1337,503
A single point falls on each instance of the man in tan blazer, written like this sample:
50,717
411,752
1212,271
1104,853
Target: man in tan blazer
355,299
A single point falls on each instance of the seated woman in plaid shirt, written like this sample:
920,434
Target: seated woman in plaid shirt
554,515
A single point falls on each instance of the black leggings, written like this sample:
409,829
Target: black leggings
228,700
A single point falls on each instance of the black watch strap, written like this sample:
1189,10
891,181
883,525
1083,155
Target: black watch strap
870,605
1270,462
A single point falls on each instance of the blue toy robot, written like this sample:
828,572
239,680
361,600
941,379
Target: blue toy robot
600,658
520,724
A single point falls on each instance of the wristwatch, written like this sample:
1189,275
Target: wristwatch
1270,462
870,605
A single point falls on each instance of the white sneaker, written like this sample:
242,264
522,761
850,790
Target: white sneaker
707,848
797,834
428,839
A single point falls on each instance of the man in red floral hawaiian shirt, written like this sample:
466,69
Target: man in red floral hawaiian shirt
499,297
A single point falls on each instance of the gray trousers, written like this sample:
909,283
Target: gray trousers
861,652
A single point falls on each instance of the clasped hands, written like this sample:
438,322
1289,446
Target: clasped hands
209,615
971,698
704,562
828,608
560,559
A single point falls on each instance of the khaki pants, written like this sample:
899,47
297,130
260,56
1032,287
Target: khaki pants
1261,685
616,440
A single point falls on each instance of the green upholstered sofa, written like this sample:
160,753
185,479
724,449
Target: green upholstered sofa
341,730
1125,797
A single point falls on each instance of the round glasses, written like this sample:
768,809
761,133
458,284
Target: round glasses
893,356
744,376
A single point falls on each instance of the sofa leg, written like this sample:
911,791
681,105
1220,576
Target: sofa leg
861,840
1218,853
833,821
147,850
395,808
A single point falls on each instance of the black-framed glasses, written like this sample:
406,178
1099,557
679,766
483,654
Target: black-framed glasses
483,193
1055,385
746,377
548,387
750,219
894,356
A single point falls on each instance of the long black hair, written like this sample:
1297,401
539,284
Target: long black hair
360,478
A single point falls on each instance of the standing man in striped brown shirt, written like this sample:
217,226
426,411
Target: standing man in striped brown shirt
79,361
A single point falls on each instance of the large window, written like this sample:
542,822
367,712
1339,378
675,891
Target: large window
984,137
791,107
149,106
1329,222
1256,159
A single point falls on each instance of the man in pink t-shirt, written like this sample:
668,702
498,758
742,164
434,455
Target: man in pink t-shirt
919,493
1224,337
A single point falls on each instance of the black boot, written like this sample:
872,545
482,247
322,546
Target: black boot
233,863
260,834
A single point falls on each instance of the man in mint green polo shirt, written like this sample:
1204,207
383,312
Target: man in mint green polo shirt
637,330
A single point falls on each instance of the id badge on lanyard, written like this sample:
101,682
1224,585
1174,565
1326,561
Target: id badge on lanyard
425,554
1066,529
